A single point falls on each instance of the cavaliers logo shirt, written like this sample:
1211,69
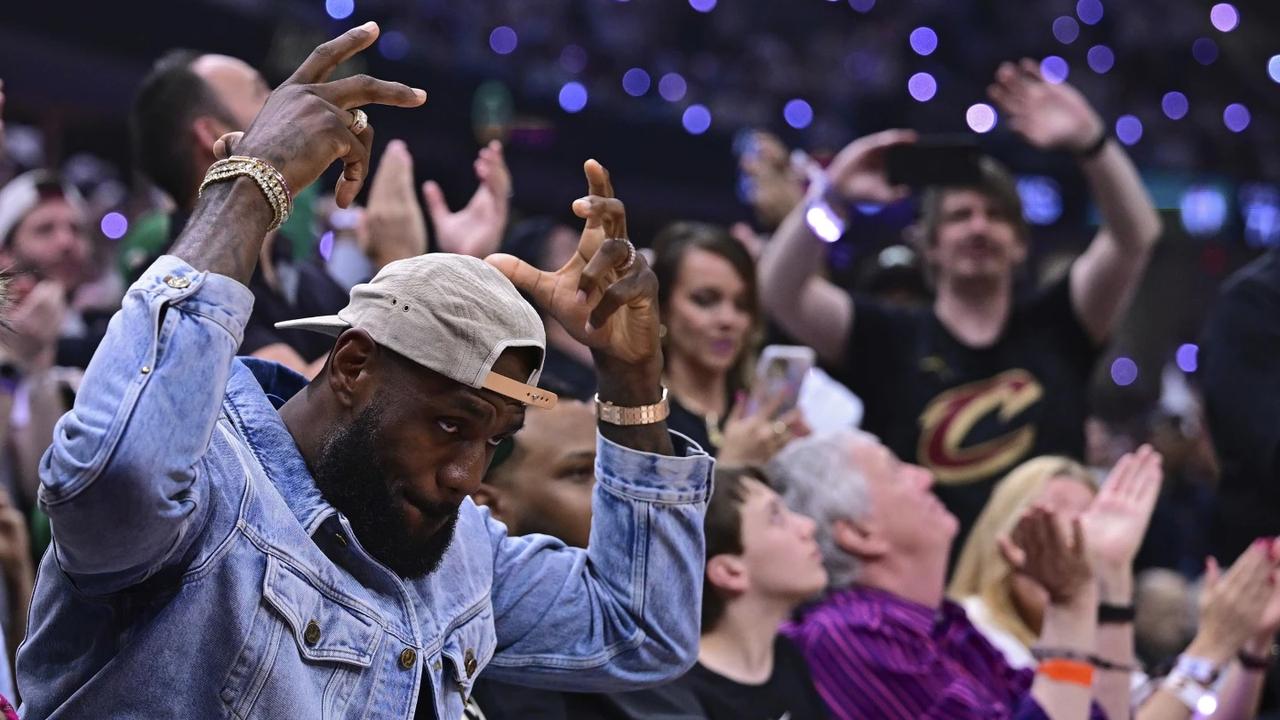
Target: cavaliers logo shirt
972,414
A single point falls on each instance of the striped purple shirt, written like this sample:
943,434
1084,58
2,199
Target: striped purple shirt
876,655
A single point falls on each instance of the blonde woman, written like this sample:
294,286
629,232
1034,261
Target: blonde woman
1005,606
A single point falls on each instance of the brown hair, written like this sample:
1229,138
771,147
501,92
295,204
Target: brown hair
994,181
669,248
722,527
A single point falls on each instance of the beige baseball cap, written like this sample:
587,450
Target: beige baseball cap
453,314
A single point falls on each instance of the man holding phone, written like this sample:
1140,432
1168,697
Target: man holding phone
981,380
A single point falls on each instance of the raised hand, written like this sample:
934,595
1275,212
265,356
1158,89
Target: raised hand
1040,549
754,439
306,122
777,187
393,220
604,304
476,229
34,323
1117,519
858,173
1234,605
1049,116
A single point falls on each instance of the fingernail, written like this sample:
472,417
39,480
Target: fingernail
582,297
369,26
422,94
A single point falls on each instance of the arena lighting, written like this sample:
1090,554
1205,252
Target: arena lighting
1260,209
1273,68
393,45
1041,199
923,40
1236,117
696,119
636,82
1203,209
339,9
1089,11
1175,105
1124,371
114,225
1128,129
703,6
922,87
325,247
862,6
503,40
1066,29
672,87
1101,59
797,113
573,97
1187,357
1054,69
1205,51
980,117
1224,17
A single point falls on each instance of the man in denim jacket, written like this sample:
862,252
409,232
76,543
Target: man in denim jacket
230,541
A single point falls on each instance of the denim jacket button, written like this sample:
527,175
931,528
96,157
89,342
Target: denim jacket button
407,658
469,662
177,282
312,634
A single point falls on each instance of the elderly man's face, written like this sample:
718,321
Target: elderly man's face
903,509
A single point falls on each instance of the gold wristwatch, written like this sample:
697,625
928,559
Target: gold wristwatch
641,415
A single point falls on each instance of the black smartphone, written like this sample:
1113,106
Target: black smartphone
938,160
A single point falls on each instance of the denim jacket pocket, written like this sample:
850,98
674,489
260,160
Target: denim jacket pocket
301,635
468,648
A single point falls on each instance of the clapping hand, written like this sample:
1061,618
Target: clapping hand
476,229
1117,519
1041,549
394,222
1049,116
1238,605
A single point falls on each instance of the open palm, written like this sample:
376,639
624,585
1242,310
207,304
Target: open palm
600,301
1117,519
476,229
1047,115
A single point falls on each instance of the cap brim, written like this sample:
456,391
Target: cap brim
328,324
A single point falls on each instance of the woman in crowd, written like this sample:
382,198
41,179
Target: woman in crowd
711,332
1008,607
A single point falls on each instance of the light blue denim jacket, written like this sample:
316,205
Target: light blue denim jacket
196,572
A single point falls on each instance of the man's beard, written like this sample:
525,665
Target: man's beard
353,479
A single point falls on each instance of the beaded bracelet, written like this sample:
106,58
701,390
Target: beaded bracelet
269,180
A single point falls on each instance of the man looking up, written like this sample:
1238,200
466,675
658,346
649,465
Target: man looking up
232,540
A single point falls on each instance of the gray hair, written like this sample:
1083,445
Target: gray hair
816,477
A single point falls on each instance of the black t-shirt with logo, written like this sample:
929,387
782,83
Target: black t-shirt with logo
788,694
972,414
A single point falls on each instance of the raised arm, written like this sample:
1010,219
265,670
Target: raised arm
1058,117
635,591
794,293
122,483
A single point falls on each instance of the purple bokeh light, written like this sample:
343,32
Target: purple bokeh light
393,45
1236,117
1224,17
1205,51
1124,371
696,119
1128,129
703,6
114,225
1054,69
922,86
573,97
339,9
924,40
636,82
1089,11
1273,68
672,87
862,6
325,247
980,117
1187,357
503,40
1175,105
1066,29
1101,59
798,113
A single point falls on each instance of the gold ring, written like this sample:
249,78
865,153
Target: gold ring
359,121
631,256
779,428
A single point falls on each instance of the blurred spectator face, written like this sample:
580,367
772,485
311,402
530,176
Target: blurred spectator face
708,317
51,242
1068,498
545,485
974,239
239,87
780,558
905,514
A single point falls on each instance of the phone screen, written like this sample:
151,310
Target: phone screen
780,373
934,161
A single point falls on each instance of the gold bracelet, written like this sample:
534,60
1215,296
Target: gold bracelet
269,180
642,415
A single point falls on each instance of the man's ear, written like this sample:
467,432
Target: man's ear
207,129
728,573
348,376
861,540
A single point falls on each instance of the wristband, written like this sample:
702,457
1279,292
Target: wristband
1043,654
1114,614
625,416
1258,662
1072,672
1201,670
1197,697
1095,147
823,221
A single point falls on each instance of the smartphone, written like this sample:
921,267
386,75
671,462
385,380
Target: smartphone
937,160
780,371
